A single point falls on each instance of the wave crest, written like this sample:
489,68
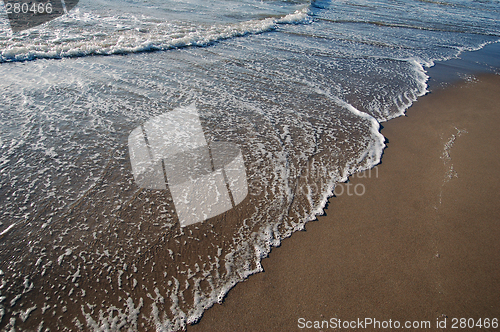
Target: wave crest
82,35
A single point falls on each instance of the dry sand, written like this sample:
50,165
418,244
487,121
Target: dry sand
422,243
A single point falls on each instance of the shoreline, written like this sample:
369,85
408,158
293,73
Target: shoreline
418,245
323,272
469,64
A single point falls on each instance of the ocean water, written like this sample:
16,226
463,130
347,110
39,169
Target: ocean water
299,87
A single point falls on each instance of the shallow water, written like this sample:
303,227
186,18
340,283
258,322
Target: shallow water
299,88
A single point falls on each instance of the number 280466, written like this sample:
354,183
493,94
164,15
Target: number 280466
462,323
25,8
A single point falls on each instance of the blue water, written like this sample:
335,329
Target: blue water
299,87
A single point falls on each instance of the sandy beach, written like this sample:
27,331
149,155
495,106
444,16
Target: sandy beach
418,240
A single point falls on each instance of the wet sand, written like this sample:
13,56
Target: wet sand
421,243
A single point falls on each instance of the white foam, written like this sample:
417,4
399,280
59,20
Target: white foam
299,16
403,102
52,46
5,231
24,314
113,319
